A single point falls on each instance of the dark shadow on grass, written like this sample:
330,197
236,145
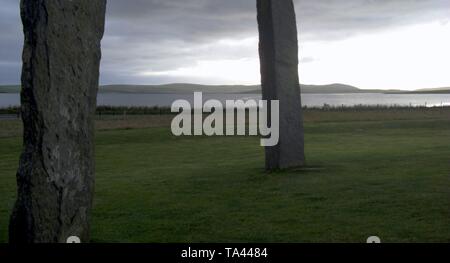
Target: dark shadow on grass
301,170
261,174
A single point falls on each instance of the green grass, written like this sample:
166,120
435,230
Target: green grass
381,177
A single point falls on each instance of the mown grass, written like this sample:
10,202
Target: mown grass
371,175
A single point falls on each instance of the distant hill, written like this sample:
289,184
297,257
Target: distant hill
429,91
179,88
190,88
331,88
10,89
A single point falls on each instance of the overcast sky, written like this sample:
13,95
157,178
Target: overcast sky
367,43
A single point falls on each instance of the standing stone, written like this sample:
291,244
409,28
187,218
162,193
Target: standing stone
60,73
278,48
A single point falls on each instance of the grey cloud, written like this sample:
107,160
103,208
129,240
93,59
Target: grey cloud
158,35
331,19
10,42
197,20
307,60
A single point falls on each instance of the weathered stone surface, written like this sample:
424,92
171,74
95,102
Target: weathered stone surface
61,59
278,50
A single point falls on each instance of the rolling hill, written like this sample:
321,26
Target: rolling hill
190,88
10,89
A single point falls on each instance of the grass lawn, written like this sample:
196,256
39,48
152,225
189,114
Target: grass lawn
373,175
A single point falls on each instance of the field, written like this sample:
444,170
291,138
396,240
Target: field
383,172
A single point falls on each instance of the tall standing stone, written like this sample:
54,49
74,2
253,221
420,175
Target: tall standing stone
60,76
278,48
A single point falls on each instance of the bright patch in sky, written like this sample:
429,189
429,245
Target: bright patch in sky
408,58
230,72
411,57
